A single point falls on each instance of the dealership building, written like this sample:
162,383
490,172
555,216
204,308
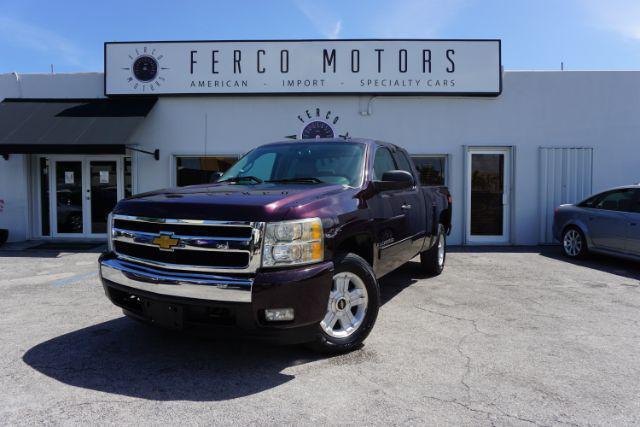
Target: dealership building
510,145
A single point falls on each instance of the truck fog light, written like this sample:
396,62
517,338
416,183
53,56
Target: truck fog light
279,314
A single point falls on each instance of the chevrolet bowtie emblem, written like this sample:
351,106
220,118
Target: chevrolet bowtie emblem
166,242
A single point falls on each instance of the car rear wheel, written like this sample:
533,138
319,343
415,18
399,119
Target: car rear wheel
574,245
433,259
352,308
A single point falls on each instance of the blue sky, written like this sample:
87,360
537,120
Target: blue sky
536,34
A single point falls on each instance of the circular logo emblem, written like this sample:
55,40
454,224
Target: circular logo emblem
145,68
317,129
145,72
342,303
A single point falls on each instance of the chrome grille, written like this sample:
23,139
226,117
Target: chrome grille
191,245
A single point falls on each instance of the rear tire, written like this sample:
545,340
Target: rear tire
433,259
352,308
574,244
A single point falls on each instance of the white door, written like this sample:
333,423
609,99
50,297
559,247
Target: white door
84,189
488,195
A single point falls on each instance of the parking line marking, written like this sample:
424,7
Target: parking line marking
73,279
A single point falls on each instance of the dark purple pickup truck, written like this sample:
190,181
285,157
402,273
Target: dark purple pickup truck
288,244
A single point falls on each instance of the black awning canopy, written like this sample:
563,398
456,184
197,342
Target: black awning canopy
69,126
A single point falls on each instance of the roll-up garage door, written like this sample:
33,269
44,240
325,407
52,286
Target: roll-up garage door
565,177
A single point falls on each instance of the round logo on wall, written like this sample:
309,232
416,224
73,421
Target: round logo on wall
317,129
145,72
317,124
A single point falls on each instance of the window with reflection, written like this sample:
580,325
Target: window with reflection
201,170
432,169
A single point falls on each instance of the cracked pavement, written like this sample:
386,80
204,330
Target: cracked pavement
505,336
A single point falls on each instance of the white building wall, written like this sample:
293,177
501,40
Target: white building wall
594,109
14,173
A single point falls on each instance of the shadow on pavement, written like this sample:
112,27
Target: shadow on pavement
608,264
604,263
396,281
124,357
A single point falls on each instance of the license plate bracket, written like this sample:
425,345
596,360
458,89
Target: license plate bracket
168,316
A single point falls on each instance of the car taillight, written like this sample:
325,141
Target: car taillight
449,199
555,213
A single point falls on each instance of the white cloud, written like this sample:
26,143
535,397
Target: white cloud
619,16
321,17
22,34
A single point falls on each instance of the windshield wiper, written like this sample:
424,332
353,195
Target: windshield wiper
242,178
302,179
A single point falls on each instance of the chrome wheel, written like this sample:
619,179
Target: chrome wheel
441,250
572,242
347,305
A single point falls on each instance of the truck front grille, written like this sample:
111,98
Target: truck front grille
192,245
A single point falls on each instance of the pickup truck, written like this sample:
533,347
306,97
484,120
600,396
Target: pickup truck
288,244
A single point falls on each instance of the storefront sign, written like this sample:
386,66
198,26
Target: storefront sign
400,67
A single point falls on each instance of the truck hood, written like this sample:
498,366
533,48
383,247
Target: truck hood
228,201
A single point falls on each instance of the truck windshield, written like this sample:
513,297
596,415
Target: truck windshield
302,162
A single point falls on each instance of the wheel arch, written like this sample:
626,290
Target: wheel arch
360,244
581,226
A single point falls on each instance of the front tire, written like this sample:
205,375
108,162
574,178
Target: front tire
574,244
433,259
352,308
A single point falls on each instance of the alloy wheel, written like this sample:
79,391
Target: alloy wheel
347,305
441,250
572,242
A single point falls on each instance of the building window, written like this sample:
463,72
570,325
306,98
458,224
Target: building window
432,169
200,170
128,183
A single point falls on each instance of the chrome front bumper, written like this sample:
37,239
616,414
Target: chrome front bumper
187,285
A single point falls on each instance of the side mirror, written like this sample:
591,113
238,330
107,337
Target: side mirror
215,176
394,180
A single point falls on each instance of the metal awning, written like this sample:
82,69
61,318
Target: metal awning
69,126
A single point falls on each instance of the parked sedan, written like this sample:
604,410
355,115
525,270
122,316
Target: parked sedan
608,222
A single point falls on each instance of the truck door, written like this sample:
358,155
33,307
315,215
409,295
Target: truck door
389,217
413,206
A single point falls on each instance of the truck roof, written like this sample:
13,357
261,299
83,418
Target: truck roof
367,141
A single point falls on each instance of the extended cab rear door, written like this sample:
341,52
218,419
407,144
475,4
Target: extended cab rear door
413,205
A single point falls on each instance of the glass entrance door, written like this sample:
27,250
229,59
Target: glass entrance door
488,196
85,190
103,192
69,206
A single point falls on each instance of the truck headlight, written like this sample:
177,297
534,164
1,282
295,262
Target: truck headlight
293,243
110,232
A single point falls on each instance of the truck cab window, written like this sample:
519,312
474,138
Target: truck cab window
403,162
382,163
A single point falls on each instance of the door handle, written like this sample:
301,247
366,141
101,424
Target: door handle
406,207
633,224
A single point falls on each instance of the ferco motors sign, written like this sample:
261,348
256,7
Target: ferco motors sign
394,67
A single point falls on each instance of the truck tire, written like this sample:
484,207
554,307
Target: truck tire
574,244
433,259
352,308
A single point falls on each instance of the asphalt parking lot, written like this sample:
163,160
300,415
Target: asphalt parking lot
507,336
